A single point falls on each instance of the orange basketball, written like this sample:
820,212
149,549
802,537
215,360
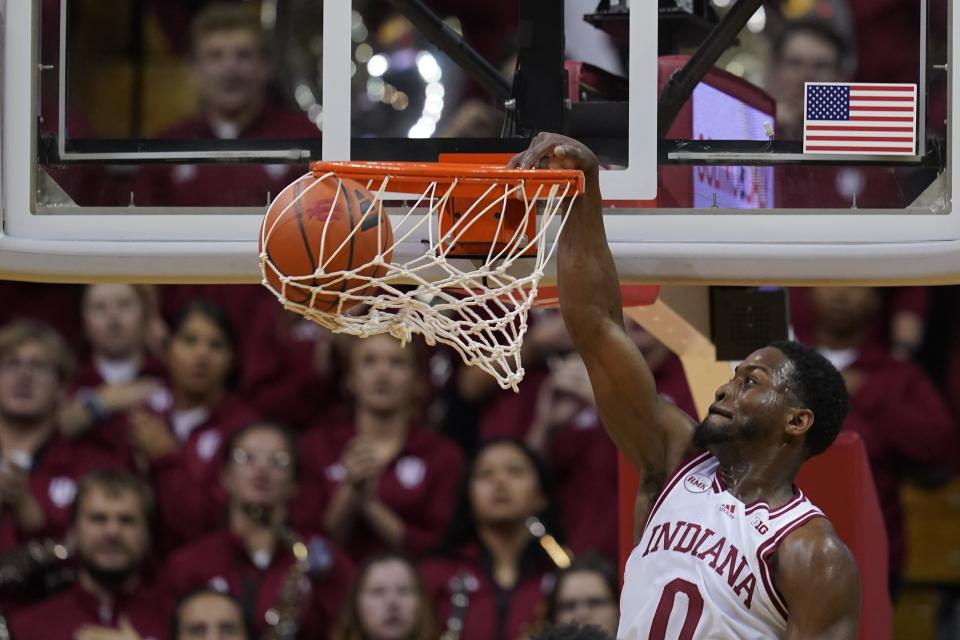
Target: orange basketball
297,245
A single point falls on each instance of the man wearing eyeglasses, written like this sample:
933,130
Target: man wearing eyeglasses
252,557
38,468
110,599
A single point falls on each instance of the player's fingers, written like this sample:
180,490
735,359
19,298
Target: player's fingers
538,152
515,161
569,157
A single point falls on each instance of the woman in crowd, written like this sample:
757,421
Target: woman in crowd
491,575
119,374
387,602
181,439
379,479
253,554
586,593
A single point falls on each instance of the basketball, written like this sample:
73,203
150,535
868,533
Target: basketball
309,231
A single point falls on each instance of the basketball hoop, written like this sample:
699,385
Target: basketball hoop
504,223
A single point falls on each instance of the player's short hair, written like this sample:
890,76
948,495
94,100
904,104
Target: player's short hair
818,386
115,482
816,27
20,332
573,632
226,16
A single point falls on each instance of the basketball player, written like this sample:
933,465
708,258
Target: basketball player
729,547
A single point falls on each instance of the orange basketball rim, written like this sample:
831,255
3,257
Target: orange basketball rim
475,212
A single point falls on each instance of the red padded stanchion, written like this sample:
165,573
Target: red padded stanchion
839,481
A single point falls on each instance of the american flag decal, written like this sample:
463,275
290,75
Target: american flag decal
860,118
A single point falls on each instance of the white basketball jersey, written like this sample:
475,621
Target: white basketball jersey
700,571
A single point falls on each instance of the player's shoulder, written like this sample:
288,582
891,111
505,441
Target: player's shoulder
818,578
815,547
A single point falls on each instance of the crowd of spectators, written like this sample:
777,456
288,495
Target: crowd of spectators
144,445
325,493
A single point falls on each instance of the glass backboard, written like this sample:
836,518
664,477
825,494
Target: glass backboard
116,163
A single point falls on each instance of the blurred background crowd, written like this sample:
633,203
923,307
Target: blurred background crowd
178,459
197,441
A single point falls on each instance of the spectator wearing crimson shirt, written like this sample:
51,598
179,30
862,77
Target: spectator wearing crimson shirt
292,373
588,593
233,71
569,437
811,50
39,469
387,600
182,439
244,304
899,325
894,407
805,50
511,415
252,556
110,532
567,434
489,557
120,374
250,308
383,480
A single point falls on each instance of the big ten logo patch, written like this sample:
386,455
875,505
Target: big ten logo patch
757,523
696,483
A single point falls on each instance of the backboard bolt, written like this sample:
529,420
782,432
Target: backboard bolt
941,67
715,205
132,202
853,204
45,67
510,104
268,198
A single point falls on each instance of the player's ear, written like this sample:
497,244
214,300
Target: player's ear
799,421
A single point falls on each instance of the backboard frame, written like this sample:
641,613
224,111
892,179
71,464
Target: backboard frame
678,246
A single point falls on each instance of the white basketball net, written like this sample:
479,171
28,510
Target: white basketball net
481,312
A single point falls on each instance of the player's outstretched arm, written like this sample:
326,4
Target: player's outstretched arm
647,432
818,578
